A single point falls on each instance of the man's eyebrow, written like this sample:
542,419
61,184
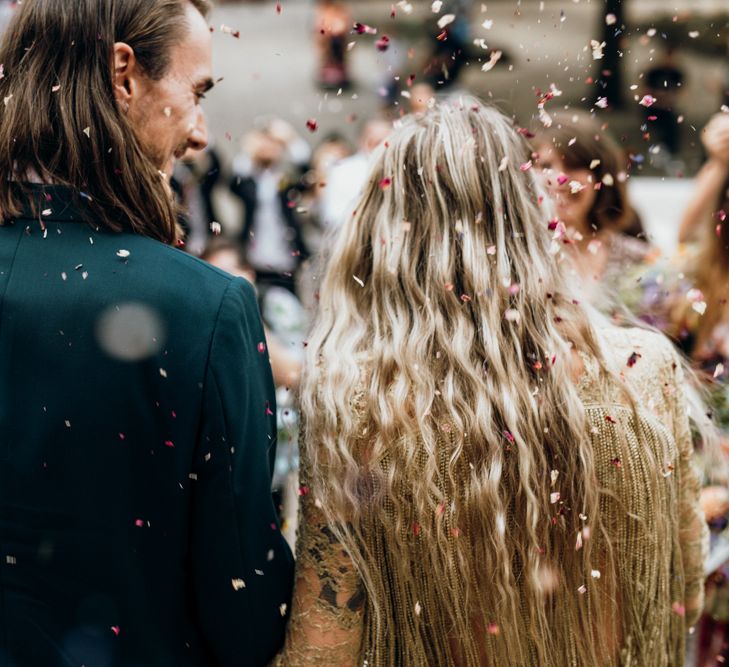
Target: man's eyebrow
205,85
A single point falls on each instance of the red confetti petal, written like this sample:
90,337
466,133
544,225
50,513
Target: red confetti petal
633,358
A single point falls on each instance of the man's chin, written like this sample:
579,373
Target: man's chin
168,166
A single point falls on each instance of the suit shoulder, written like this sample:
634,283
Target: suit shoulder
171,275
171,263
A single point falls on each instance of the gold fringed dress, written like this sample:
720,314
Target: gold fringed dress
659,543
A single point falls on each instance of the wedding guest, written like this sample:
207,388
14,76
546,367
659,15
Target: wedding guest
137,429
711,193
266,177
698,319
449,44
663,82
584,172
285,326
422,98
332,22
332,150
194,179
347,178
491,474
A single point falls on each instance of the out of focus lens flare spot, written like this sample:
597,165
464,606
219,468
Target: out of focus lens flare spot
130,332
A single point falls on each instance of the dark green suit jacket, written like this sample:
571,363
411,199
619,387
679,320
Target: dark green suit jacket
137,436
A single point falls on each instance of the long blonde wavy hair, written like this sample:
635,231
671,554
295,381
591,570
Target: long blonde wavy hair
439,401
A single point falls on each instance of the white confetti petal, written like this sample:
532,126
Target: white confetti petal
493,59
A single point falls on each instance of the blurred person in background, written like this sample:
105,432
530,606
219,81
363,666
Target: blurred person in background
687,299
330,151
422,98
712,182
703,330
332,23
347,178
449,46
136,422
285,319
663,82
584,173
700,323
194,178
267,178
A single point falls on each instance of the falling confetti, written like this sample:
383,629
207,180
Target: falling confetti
364,29
383,43
493,59
633,358
597,49
227,30
446,20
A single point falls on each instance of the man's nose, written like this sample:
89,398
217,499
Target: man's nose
198,138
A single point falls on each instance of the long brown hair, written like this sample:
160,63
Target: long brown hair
581,143
60,121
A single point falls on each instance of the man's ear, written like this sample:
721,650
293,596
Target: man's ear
125,74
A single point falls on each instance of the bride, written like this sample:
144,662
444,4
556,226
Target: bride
490,476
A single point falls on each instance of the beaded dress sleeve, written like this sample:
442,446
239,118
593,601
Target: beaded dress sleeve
693,530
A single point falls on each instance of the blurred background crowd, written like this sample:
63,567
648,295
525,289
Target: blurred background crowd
626,108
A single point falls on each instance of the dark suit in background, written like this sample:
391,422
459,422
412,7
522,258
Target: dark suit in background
137,436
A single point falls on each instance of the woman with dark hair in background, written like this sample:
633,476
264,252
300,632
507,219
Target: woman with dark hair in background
584,171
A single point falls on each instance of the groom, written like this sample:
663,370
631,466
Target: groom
137,414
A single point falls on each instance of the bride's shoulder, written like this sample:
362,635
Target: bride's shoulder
627,348
646,361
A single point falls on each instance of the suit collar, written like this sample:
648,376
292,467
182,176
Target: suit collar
52,203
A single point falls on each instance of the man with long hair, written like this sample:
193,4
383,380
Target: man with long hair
137,410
